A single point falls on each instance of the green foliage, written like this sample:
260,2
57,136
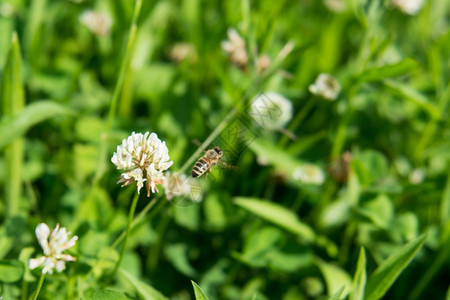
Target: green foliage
349,200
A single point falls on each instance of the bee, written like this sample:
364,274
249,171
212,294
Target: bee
211,158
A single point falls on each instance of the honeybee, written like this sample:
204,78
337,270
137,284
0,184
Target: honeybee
211,158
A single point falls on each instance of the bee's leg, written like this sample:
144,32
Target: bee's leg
207,173
227,165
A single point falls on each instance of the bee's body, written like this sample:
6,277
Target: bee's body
211,158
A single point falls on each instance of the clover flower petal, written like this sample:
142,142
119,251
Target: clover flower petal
53,245
144,158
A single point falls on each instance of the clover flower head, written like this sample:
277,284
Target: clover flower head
183,52
417,176
99,23
6,9
271,110
410,7
144,158
53,257
235,47
336,6
309,174
180,185
326,86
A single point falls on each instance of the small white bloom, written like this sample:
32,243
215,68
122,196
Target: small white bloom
144,158
417,176
271,110
235,47
6,9
326,86
99,23
411,7
309,174
183,52
180,185
53,248
336,6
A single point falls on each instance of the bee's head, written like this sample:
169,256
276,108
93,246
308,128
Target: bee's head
218,150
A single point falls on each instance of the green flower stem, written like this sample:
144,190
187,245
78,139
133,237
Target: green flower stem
123,73
38,289
297,121
127,234
137,219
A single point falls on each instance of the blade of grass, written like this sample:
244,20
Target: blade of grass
12,98
359,281
124,70
199,294
384,276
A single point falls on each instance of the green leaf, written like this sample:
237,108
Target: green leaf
360,278
400,68
11,270
199,294
105,294
337,295
278,215
11,128
145,290
406,92
335,278
177,254
383,277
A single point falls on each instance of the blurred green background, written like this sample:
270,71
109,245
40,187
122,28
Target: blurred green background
259,231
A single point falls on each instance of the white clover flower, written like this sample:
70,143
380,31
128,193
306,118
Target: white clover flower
180,185
326,86
183,52
417,176
99,23
410,7
271,110
53,248
336,6
309,174
235,47
6,9
144,158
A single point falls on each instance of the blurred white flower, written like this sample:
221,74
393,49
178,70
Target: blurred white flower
183,51
235,47
326,86
309,174
53,248
99,23
271,110
336,6
411,7
180,185
143,157
417,176
6,9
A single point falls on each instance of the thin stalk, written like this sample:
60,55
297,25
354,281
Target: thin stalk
140,216
38,289
114,103
297,121
127,234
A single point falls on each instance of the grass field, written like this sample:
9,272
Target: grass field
333,178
